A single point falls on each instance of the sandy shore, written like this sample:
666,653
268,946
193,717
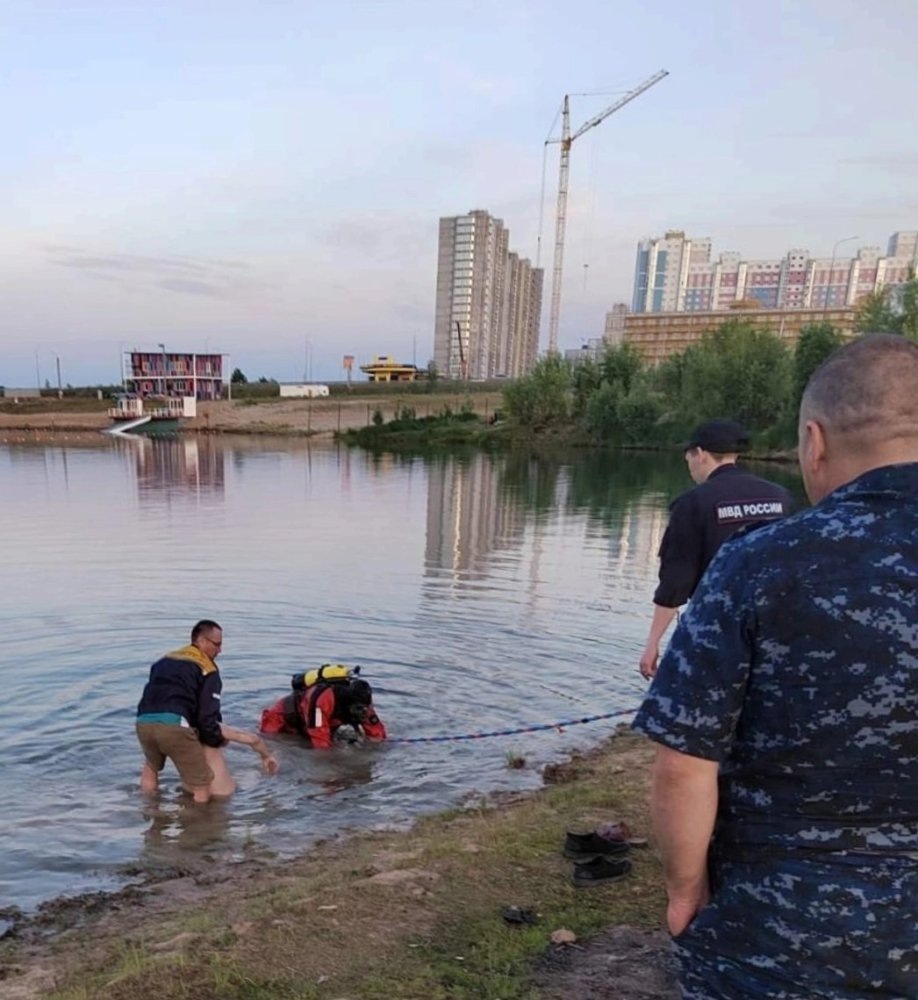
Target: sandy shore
289,416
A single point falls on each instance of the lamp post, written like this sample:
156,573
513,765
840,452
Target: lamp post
838,243
162,347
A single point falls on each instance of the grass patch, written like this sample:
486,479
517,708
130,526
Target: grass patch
410,915
409,431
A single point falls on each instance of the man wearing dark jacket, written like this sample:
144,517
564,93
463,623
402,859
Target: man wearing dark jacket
179,718
725,499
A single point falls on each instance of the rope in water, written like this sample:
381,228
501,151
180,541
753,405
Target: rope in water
559,726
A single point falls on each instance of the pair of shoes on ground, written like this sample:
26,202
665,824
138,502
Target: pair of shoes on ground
598,859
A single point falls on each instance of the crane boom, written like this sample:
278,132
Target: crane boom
566,141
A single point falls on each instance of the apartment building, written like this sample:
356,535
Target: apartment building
676,274
489,301
171,373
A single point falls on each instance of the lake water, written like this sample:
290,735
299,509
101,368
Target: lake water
478,593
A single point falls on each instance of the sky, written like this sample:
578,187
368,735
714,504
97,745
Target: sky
265,179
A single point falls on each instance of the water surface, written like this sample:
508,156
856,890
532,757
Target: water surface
478,593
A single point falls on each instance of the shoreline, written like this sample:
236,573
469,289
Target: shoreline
419,910
318,420
287,417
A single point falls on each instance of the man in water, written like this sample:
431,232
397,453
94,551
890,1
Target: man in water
725,499
179,718
318,710
785,786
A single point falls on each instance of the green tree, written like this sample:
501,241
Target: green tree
908,304
611,410
876,314
622,365
737,371
890,310
816,342
543,398
238,377
586,378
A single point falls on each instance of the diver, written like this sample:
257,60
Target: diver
321,702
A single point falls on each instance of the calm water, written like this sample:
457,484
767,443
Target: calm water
477,593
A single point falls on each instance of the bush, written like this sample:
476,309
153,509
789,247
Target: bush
544,398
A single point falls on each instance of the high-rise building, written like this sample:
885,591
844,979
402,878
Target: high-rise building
489,301
661,270
676,274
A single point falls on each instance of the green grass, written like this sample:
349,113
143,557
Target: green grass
433,929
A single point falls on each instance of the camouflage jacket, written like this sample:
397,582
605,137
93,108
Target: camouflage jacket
796,668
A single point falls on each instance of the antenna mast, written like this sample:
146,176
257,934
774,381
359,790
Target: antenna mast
566,142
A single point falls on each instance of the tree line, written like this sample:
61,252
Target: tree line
735,371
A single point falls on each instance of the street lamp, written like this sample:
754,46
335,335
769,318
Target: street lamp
838,243
162,347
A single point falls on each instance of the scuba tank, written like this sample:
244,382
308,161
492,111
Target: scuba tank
329,672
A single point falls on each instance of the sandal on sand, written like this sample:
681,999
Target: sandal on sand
599,871
585,846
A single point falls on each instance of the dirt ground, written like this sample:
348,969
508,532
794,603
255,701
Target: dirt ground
408,902
320,417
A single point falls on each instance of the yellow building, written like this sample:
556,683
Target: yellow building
658,335
384,368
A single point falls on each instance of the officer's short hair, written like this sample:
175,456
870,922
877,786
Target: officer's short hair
865,391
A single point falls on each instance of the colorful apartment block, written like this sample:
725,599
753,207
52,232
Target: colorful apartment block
676,274
170,373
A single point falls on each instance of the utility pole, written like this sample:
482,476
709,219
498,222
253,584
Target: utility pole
60,390
566,141
162,347
825,294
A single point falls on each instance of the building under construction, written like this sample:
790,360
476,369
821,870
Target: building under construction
489,302
657,336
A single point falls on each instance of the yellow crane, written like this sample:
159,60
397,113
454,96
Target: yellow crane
565,142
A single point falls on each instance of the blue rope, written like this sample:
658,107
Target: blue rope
512,732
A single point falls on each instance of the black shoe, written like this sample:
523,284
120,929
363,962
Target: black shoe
599,871
585,846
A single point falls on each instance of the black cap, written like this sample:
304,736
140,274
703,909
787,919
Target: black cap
722,437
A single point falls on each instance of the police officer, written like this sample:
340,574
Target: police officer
725,499
785,712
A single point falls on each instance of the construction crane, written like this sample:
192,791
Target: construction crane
566,141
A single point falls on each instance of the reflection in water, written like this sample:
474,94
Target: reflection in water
336,771
468,516
481,506
173,467
181,826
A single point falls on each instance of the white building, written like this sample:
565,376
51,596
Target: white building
489,301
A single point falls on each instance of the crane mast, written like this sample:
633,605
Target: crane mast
566,141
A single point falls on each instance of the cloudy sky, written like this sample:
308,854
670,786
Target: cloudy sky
265,178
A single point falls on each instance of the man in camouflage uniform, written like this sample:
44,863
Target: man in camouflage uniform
785,786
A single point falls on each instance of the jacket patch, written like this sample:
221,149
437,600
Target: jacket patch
746,510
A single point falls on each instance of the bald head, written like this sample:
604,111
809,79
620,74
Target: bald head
867,392
860,410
